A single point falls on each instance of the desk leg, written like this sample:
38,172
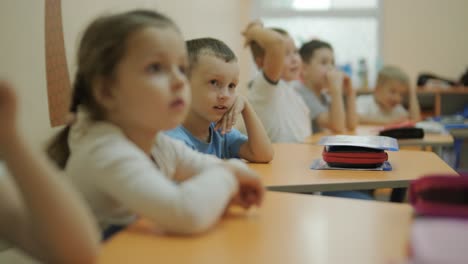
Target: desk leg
398,195
438,150
458,144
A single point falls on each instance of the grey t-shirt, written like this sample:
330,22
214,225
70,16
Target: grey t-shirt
316,105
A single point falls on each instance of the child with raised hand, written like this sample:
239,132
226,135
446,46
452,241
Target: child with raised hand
276,101
281,110
40,213
384,106
319,76
130,85
213,75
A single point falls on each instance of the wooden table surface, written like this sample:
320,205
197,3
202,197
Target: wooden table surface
288,228
290,170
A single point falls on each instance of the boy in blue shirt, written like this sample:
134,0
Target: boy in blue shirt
213,75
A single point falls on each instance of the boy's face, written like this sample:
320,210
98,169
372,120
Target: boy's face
390,94
213,83
292,62
316,69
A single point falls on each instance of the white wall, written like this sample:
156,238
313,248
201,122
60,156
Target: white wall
426,35
22,51
418,35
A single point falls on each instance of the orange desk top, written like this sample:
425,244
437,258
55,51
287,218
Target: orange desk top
288,228
290,170
430,139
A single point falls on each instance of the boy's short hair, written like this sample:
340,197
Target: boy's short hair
389,73
208,46
307,49
259,52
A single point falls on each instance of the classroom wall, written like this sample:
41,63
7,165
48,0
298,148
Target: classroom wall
22,51
418,35
426,35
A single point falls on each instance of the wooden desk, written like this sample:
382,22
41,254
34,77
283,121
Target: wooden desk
435,101
461,133
446,96
288,228
430,140
290,171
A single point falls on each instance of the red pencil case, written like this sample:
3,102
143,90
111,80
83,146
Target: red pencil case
353,157
442,195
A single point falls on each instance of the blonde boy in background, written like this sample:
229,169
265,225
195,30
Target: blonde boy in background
384,106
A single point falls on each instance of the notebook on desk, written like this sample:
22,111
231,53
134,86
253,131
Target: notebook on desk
431,127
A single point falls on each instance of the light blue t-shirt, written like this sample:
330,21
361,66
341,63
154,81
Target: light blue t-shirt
222,146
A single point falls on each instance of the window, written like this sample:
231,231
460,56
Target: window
350,26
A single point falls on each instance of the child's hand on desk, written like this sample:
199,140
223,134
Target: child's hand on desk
7,112
250,191
229,119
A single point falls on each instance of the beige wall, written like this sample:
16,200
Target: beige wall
418,35
426,35
22,43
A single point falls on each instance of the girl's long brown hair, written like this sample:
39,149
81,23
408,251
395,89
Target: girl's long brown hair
101,48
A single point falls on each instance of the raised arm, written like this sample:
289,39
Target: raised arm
52,224
273,45
258,147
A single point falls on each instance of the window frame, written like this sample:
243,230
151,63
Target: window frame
377,13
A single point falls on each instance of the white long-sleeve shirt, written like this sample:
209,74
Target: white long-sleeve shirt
281,109
186,192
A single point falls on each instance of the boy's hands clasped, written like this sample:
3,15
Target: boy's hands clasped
338,82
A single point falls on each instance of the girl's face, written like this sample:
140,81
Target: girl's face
150,91
318,65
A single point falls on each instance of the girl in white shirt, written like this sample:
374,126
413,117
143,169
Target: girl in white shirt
39,213
130,85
